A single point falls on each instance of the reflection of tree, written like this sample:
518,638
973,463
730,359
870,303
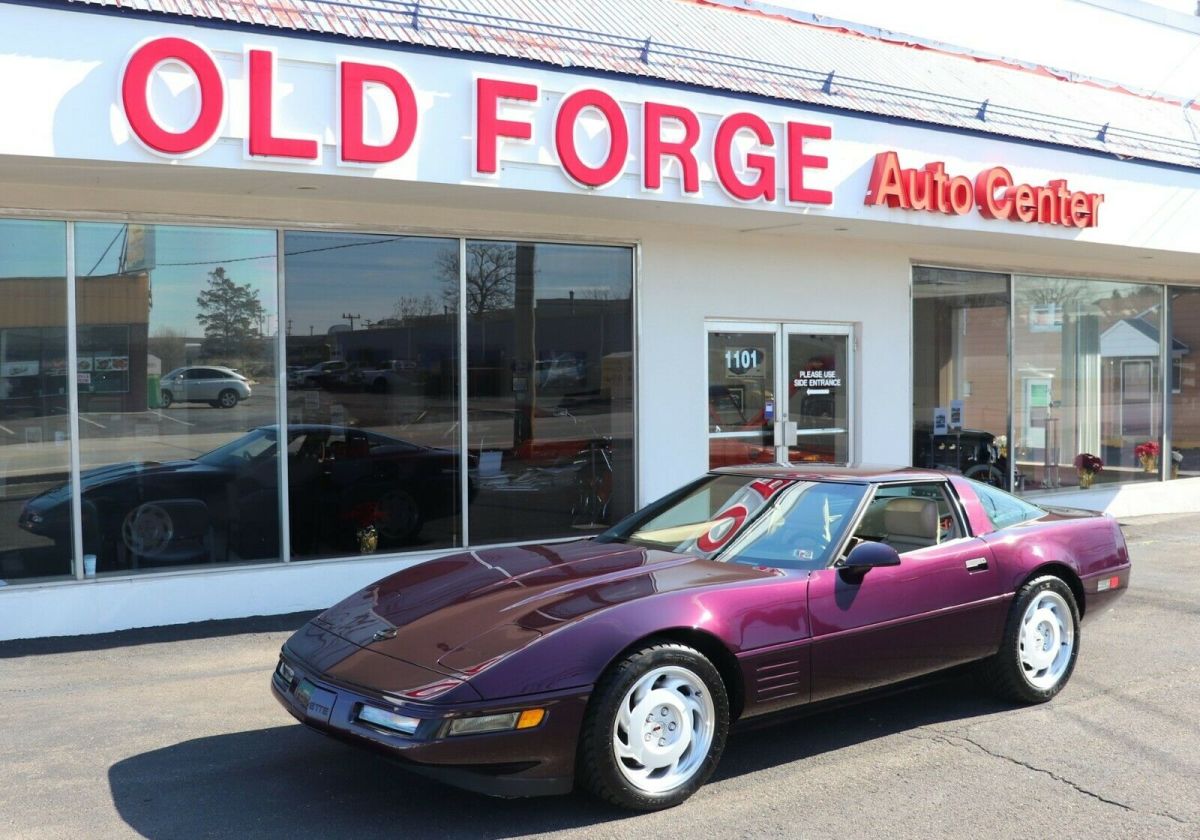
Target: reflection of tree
168,344
491,277
229,313
411,307
1059,290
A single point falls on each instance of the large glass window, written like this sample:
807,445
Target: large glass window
549,389
36,533
1184,404
1087,381
960,372
176,371
373,413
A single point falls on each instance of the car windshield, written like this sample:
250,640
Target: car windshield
259,443
774,522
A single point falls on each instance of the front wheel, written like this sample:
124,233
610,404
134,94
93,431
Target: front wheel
1040,645
166,398
655,728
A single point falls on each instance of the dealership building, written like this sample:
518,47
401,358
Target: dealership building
294,294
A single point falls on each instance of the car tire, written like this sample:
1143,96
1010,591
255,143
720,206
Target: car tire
987,474
630,752
401,520
166,398
1040,645
227,398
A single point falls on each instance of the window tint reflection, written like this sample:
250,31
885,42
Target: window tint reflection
176,332
373,417
35,499
549,389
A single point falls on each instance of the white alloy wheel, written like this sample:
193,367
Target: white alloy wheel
663,729
1046,639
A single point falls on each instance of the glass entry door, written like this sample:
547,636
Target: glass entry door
778,393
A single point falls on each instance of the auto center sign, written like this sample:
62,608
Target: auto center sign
756,155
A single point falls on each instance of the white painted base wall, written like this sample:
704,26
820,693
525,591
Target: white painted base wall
1143,499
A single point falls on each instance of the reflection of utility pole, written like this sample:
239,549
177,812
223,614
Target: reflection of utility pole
351,319
289,326
310,329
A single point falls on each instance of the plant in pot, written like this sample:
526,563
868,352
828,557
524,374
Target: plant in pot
1086,466
1147,453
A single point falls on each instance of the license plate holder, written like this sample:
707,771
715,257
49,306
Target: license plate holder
316,702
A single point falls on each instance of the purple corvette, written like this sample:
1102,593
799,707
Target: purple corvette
619,663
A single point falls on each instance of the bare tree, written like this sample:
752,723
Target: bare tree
491,277
411,307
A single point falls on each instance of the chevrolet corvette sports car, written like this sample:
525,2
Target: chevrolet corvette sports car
619,662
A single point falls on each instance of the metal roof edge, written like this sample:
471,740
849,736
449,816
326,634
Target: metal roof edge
594,72
904,40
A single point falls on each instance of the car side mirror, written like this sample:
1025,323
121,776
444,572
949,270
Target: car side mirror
868,555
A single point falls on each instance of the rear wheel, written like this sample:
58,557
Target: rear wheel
655,728
1040,645
227,398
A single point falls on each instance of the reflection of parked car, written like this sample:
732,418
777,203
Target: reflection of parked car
321,375
971,452
620,663
223,505
392,375
220,387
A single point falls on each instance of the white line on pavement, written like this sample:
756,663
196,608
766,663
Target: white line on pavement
10,431
172,419
83,419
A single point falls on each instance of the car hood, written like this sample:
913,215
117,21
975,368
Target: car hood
101,476
142,469
463,613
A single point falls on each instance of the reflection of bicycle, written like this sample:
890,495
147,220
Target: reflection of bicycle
593,483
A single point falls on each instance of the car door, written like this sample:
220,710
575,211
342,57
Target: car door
941,606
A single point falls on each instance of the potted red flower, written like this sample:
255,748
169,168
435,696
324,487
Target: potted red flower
1086,466
1147,453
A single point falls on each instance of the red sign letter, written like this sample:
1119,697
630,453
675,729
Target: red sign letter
135,95
886,186
653,113
355,78
986,184
764,185
798,161
489,127
564,138
262,102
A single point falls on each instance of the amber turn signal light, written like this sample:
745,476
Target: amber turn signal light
530,718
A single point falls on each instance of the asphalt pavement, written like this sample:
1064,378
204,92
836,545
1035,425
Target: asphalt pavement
173,733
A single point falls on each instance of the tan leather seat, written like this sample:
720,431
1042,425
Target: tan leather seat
910,523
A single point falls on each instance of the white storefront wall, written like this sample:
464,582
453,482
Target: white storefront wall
66,151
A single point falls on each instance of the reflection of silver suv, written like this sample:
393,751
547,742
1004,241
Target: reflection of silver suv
217,386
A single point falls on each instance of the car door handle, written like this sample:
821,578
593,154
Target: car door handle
976,564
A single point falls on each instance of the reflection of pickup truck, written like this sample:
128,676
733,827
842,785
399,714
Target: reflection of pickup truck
392,375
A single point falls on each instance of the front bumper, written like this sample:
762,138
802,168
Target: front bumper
530,762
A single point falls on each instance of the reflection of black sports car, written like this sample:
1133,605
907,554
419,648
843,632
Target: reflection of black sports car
223,506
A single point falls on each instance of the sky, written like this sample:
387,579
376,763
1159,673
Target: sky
1073,35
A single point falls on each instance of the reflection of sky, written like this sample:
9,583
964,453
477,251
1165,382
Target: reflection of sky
33,249
587,270
328,274
184,257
